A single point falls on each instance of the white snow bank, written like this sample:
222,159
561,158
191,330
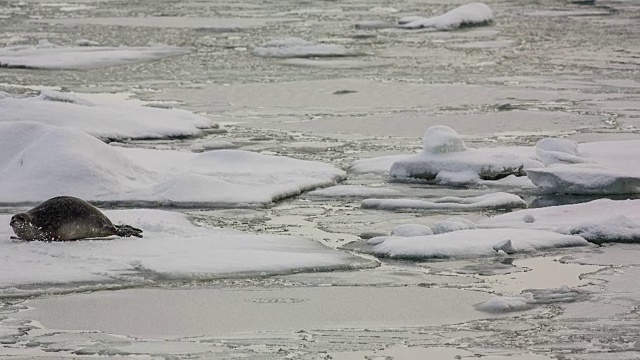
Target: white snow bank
466,15
471,243
172,248
498,200
40,161
502,304
607,167
598,221
445,152
103,118
52,57
353,191
294,47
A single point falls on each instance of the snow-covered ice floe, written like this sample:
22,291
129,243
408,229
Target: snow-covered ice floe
598,221
473,14
500,200
530,298
39,161
172,249
293,47
107,119
606,167
446,159
48,56
470,243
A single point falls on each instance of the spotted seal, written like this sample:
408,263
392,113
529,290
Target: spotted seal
65,218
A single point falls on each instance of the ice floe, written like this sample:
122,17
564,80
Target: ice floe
472,14
107,118
452,224
500,200
445,152
172,249
294,47
41,161
469,243
353,191
411,230
598,221
607,167
530,298
48,56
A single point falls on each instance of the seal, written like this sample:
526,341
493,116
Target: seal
65,218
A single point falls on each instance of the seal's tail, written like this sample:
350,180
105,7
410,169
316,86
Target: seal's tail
127,230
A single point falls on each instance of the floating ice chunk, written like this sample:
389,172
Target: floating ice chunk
172,248
558,151
452,224
52,57
469,243
598,221
445,151
505,246
442,139
498,200
607,167
121,119
40,161
472,14
457,178
293,47
502,304
353,191
408,230
87,42
374,24
376,165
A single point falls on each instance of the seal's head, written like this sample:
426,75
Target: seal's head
21,224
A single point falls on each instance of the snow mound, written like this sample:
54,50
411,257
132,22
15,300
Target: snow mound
530,298
473,14
607,167
294,47
353,191
470,243
107,120
502,304
445,152
498,200
453,224
52,57
408,230
598,221
376,165
172,249
41,161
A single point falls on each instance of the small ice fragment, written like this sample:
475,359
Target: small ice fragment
528,218
505,246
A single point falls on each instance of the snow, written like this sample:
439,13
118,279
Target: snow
294,47
445,152
411,230
103,116
607,167
500,200
172,248
452,224
470,243
353,191
41,161
476,13
52,57
502,304
376,165
530,298
598,221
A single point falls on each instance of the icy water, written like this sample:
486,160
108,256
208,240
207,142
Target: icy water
544,68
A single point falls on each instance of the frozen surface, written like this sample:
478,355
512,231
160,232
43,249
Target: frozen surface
598,221
500,304
172,249
411,230
446,159
48,56
41,161
466,15
353,191
470,243
607,167
498,200
299,48
452,224
103,117
376,165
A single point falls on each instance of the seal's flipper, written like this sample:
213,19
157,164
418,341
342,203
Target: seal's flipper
127,230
